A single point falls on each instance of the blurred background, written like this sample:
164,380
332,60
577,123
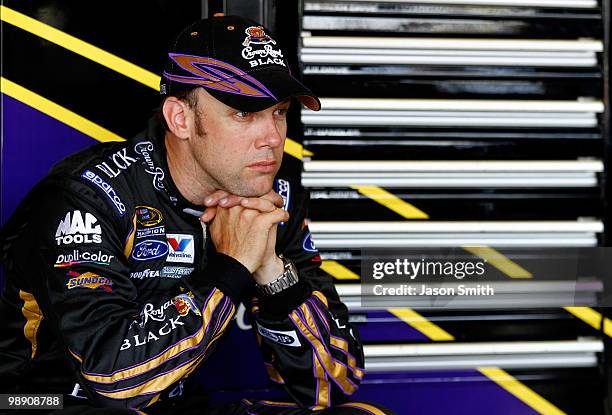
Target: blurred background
445,123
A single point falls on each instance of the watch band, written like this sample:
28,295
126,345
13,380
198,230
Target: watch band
288,278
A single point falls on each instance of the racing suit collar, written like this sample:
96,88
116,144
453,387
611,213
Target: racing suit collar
156,133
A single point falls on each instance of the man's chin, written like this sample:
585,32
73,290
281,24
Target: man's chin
256,188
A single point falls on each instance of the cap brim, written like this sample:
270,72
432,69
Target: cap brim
279,86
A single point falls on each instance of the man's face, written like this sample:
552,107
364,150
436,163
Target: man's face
236,151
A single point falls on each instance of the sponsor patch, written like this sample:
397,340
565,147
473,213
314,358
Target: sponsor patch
148,216
145,273
185,303
106,188
77,257
120,161
77,228
149,249
88,280
181,248
175,272
283,188
286,338
145,148
258,49
307,244
150,314
146,232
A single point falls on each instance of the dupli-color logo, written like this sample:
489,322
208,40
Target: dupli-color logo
149,249
181,248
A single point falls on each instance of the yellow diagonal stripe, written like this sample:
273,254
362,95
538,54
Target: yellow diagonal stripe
420,323
592,318
57,111
389,200
499,261
295,149
80,47
516,388
104,58
338,271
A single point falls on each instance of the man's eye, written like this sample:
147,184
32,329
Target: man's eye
281,111
243,114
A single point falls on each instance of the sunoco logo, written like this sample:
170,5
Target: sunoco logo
75,228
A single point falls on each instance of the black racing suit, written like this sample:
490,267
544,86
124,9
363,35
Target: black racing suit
114,293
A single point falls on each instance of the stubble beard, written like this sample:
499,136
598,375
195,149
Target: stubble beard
233,185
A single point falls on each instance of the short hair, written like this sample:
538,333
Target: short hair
189,96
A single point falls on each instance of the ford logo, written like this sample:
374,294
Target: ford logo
147,250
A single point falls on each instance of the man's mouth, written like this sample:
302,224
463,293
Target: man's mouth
263,166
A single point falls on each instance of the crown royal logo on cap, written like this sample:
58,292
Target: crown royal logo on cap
267,55
257,36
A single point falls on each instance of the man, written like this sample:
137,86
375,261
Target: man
126,264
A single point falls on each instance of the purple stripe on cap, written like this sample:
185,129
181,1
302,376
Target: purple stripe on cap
218,75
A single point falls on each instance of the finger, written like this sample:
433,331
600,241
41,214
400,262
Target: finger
209,214
230,201
275,198
258,203
213,198
269,219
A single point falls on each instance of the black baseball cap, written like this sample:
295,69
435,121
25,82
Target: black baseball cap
238,62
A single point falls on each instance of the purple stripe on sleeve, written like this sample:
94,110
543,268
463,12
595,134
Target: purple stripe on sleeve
161,353
315,351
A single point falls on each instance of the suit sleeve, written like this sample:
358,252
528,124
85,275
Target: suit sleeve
126,346
308,344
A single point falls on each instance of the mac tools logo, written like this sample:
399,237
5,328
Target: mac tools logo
75,228
181,248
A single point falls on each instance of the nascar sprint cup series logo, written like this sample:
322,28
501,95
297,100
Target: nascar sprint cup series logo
258,48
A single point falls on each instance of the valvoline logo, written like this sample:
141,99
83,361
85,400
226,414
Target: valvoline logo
181,248
149,249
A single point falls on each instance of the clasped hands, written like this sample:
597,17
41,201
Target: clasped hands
245,229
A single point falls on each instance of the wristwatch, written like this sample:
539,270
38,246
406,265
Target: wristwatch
288,278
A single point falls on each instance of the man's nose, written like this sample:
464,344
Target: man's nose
270,133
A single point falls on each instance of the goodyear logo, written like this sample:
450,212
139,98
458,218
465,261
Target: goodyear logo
88,280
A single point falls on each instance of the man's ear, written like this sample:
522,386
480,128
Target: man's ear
176,113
